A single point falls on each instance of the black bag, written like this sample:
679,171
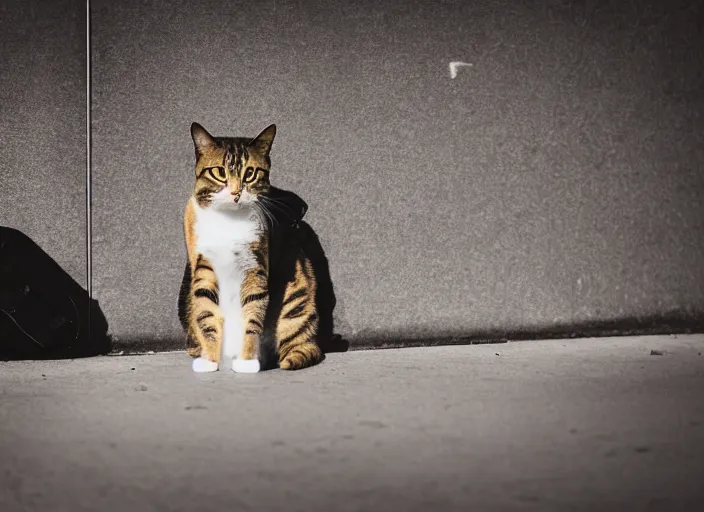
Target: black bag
44,313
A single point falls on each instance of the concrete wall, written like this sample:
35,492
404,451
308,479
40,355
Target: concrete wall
555,183
43,126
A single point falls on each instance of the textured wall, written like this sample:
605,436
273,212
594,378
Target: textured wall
557,181
43,126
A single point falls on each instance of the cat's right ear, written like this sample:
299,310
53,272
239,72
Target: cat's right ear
202,140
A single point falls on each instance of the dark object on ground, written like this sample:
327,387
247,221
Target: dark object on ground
656,352
44,313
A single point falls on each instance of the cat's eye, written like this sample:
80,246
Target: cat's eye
250,175
218,174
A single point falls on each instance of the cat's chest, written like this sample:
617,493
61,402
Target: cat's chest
222,236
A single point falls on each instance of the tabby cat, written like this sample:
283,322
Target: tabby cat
249,293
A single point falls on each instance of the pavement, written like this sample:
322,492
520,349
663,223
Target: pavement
613,424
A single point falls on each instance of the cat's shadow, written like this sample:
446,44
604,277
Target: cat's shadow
289,235
325,293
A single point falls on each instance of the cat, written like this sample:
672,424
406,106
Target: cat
256,289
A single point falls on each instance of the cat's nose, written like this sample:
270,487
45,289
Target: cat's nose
236,196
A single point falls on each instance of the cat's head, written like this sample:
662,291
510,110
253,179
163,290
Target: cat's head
231,172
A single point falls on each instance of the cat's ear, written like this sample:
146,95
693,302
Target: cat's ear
202,140
264,140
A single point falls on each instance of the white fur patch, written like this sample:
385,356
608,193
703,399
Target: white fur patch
245,365
202,365
224,232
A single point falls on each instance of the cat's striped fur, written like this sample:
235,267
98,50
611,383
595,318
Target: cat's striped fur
249,291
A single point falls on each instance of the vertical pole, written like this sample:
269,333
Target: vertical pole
89,213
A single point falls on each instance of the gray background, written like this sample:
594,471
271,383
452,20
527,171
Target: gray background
43,126
557,182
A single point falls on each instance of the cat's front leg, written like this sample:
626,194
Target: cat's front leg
254,298
205,320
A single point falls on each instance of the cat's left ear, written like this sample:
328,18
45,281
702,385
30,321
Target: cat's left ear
264,140
202,140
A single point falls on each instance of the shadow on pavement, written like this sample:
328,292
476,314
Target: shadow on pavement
44,313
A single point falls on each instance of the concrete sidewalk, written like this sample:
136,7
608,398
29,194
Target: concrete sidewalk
544,425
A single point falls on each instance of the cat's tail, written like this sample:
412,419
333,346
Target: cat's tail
302,356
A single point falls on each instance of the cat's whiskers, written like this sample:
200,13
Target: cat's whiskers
263,209
281,206
277,202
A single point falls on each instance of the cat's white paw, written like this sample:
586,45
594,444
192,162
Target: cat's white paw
202,365
245,365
